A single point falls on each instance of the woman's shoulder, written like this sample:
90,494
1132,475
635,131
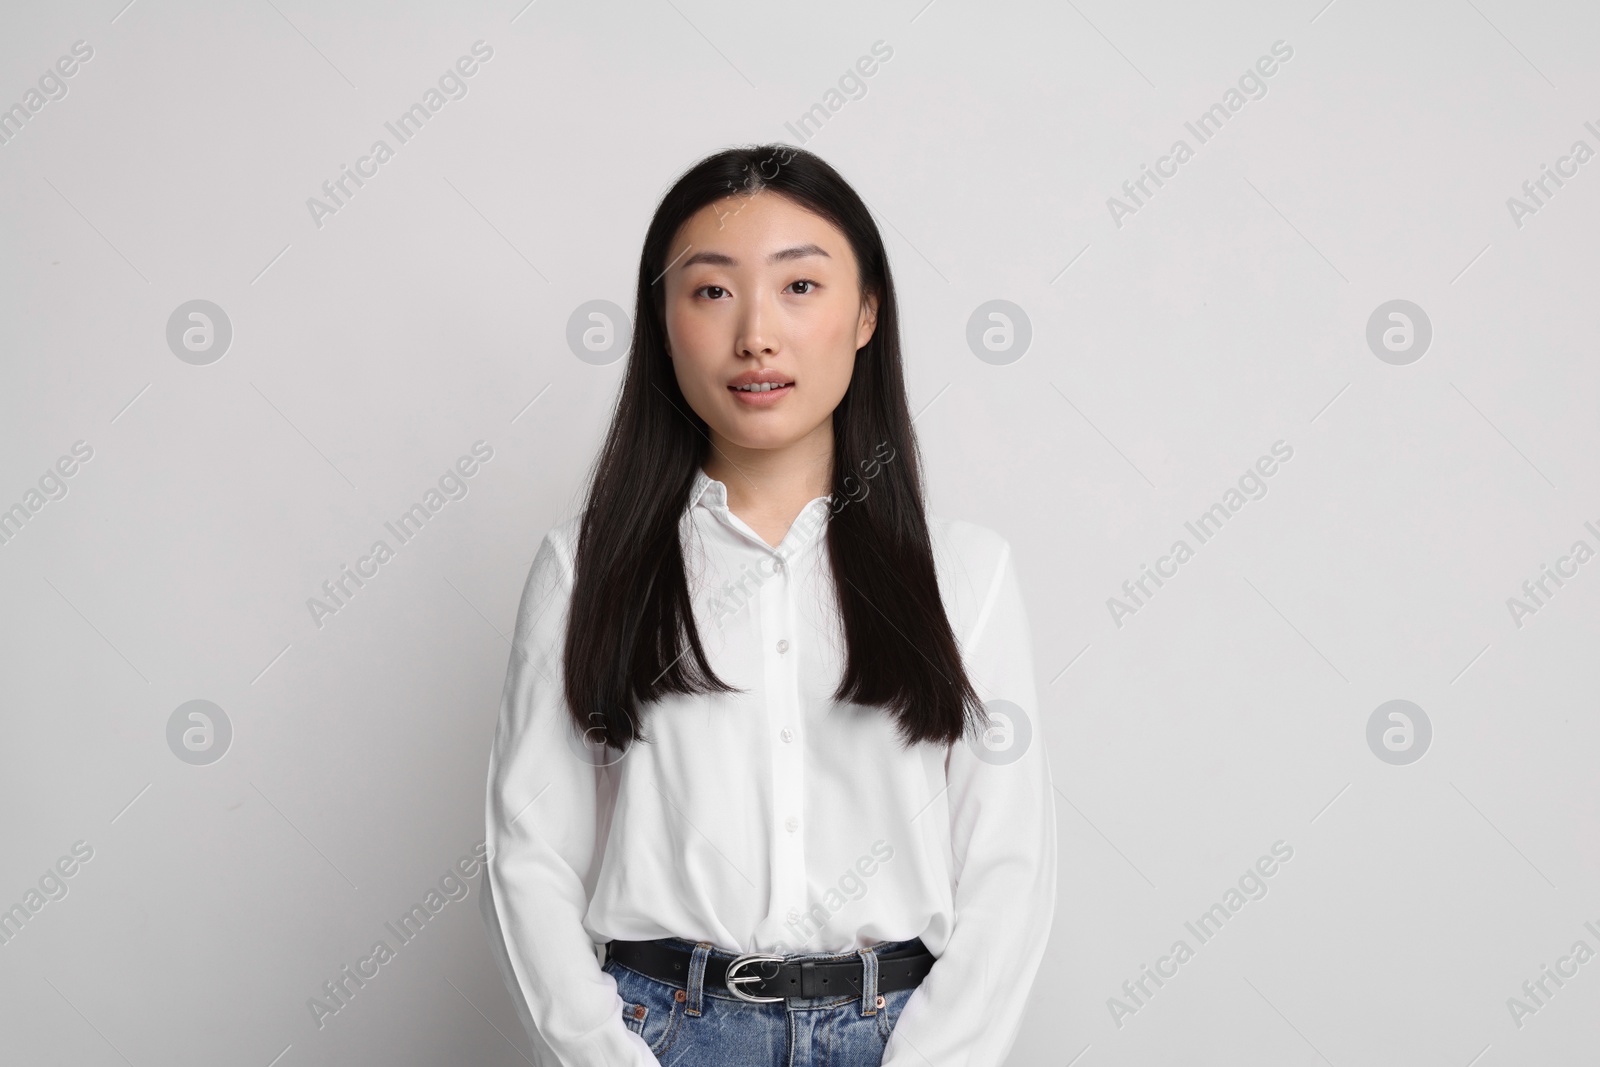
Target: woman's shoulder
967,544
969,558
553,561
564,536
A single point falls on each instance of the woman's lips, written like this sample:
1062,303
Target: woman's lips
762,399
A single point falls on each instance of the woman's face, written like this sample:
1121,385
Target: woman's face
762,288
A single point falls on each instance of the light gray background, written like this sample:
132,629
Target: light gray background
1167,355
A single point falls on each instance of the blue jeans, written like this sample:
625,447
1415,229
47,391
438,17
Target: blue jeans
695,1026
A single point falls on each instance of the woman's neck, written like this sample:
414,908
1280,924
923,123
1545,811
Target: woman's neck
768,487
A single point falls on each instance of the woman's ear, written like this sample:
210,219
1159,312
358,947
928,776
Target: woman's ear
869,321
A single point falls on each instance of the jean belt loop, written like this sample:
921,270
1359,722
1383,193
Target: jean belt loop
869,980
697,976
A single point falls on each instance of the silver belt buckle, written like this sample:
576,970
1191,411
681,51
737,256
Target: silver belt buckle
733,982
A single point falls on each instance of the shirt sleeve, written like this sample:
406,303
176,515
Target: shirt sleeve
969,1008
542,811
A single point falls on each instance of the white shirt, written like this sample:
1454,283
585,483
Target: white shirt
776,819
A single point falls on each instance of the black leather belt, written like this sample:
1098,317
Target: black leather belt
761,976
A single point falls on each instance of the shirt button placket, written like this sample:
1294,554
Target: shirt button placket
784,714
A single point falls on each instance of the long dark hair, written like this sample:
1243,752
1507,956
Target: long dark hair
631,636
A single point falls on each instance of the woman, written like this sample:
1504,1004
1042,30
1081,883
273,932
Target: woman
769,735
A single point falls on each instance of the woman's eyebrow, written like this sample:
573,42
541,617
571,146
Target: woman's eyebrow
722,259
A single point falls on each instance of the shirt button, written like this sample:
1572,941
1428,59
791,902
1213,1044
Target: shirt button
791,824
777,563
783,644
794,915
787,735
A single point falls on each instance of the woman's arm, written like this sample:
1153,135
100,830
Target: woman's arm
969,1008
542,812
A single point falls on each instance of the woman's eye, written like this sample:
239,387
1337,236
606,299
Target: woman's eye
703,288
805,281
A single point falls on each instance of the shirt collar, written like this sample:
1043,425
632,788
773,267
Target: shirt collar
708,491
712,494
